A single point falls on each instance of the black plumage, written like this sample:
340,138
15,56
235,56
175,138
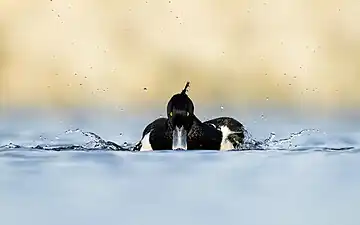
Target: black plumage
158,135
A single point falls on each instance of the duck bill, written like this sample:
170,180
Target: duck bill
179,141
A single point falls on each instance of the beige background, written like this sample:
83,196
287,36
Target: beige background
78,52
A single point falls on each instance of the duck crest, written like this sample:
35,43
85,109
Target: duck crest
183,92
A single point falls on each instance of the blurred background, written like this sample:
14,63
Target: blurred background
135,54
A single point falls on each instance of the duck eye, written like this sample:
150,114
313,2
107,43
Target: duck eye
170,114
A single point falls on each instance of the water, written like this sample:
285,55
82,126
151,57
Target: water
77,169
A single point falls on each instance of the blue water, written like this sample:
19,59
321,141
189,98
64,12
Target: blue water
54,172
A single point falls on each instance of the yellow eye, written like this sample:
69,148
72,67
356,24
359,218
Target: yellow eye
170,114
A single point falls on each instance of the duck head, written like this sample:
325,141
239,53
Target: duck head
180,113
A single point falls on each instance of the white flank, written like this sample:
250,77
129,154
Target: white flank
226,145
145,143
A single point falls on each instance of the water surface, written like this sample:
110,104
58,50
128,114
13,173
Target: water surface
54,172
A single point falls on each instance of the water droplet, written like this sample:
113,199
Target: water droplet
222,107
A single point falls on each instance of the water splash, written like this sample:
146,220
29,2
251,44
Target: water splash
9,146
98,143
270,143
95,143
